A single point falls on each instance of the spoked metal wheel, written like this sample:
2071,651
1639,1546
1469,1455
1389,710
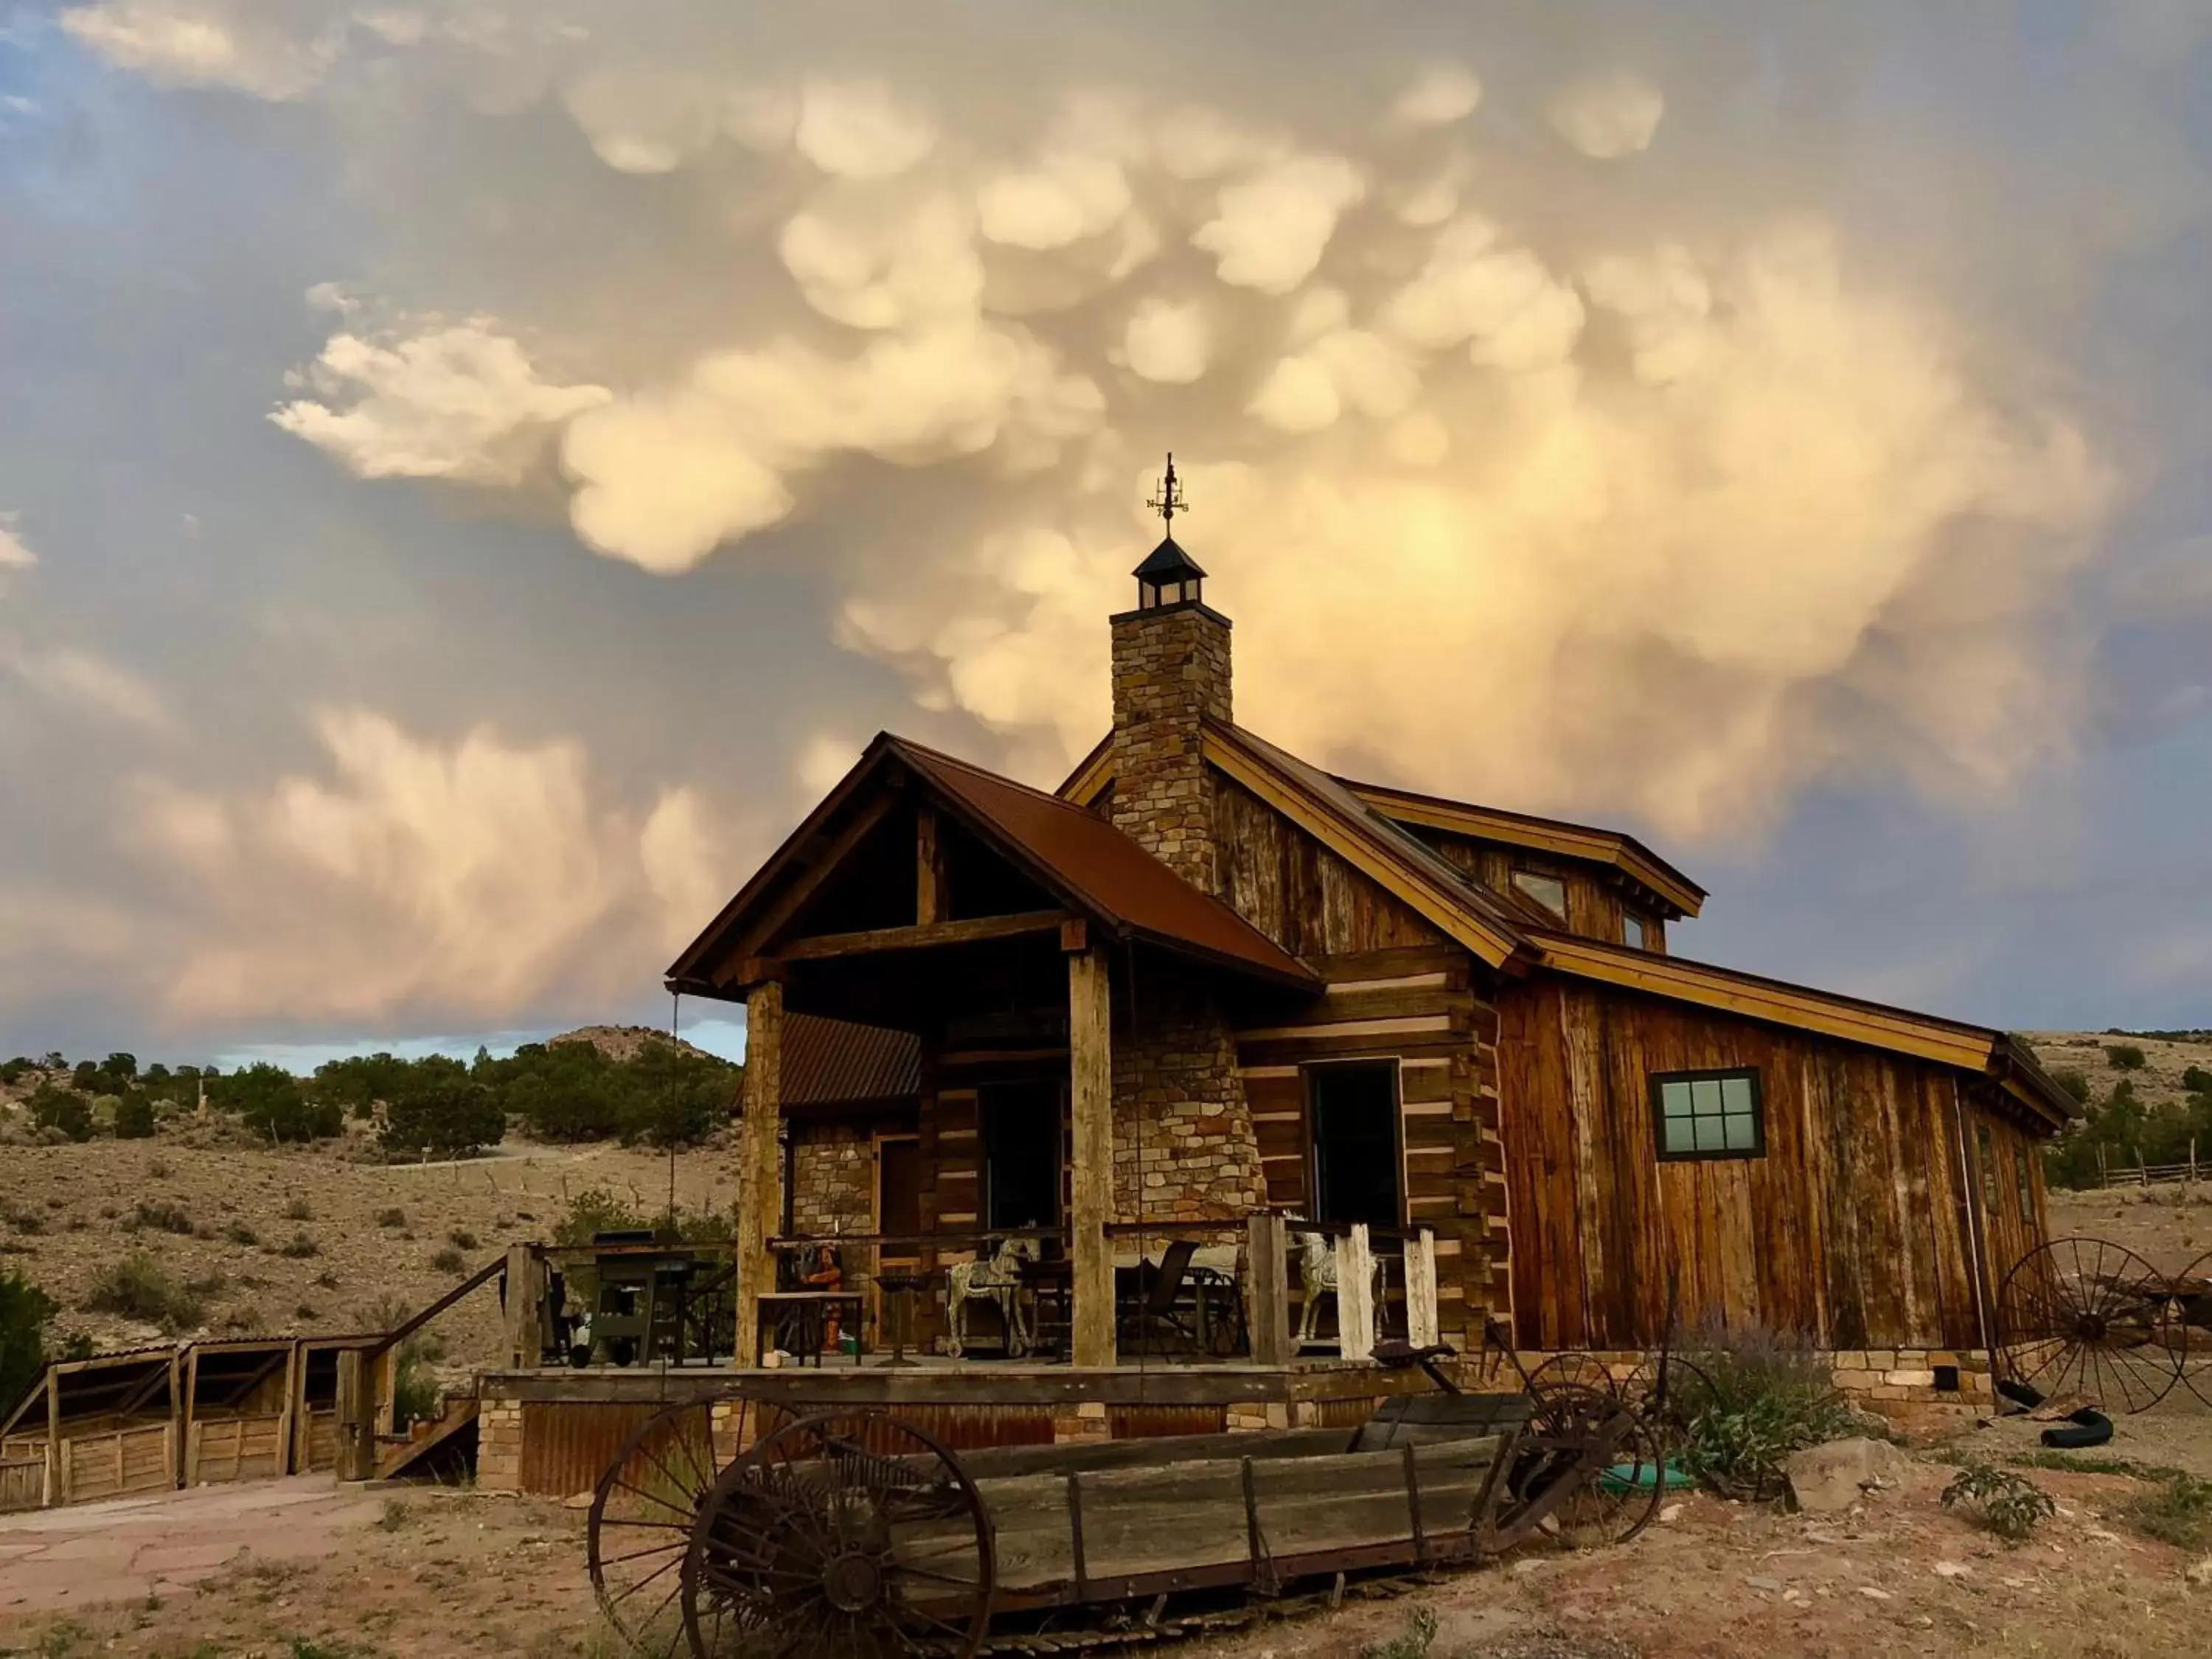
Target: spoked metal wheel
1589,1469
2192,1317
850,1535
1577,1370
642,1516
1668,1400
2080,1316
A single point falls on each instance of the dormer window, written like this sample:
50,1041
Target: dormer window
1548,890
1632,932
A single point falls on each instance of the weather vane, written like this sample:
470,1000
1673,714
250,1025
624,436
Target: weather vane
1169,502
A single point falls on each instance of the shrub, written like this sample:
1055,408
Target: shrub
461,1238
2197,1080
134,1117
443,1113
1763,1395
2124,1056
164,1217
26,1221
299,1247
394,1217
298,1210
157,1169
239,1233
25,1311
271,1102
2074,1082
214,1284
62,1110
449,1261
2177,1511
139,1287
1411,1643
12,1070
2010,1505
594,1210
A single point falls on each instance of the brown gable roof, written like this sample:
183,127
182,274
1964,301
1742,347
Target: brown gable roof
1084,861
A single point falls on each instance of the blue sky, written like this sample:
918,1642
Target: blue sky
469,480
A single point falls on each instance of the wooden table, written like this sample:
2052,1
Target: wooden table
808,1311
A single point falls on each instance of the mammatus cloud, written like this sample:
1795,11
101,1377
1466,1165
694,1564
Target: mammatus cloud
457,401
1662,486
1607,117
408,875
14,553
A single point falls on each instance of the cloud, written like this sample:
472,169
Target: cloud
1441,94
1270,228
458,401
14,553
860,129
406,876
1502,300
648,118
1167,341
206,43
69,674
1607,116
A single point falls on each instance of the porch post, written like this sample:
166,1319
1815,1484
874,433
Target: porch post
759,1167
1267,1269
1091,1111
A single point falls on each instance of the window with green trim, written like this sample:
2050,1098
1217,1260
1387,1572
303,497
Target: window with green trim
1716,1114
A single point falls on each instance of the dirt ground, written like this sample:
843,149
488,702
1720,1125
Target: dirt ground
68,1211
430,1573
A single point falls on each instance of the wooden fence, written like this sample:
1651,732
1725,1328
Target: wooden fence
117,1463
225,1449
23,1483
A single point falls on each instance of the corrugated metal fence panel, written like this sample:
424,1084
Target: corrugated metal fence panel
1143,1422
566,1447
1344,1414
22,1480
959,1428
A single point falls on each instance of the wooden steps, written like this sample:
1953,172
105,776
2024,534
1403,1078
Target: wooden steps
397,1459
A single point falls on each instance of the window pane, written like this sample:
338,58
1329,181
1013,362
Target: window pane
1674,1098
1735,1094
1631,930
1680,1137
1548,890
1743,1134
1706,1093
1709,1134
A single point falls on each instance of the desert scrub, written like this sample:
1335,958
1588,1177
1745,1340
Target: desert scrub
1757,1396
1411,1643
449,1261
139,1287
239,1233
393,1218
165,1218
461,1239
298,1247
2177,1511
2008,1504
298,1210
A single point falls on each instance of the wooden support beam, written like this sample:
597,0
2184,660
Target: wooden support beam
1355,1295
920,937
356,1414
1266,1249
819,866
929,868
1090,1109
1421,1326
760,1169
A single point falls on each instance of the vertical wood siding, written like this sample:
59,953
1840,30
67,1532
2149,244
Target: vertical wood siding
1297,893
1851,1229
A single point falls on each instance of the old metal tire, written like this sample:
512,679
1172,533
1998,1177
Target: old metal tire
804,1508
622,1553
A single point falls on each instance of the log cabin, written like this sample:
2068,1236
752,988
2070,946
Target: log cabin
1207,980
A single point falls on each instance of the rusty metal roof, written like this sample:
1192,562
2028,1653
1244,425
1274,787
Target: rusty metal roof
836,1062
1100,871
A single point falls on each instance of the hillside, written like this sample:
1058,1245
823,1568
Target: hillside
2159,1082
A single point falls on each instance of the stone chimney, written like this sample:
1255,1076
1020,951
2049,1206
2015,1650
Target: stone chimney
1170,673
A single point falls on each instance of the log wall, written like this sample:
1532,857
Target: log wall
1859,1227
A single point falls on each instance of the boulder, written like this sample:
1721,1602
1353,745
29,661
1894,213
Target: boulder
1830,1479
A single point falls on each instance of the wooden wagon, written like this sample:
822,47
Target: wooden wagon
855,1533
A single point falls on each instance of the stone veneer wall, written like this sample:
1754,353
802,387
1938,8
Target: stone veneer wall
1880,1379
1184,1148
832,1178
1171,670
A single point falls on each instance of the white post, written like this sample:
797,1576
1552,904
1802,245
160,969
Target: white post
1421,1329
1355,1295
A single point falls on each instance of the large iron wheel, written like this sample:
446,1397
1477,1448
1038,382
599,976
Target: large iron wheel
850,1535
642,1515
1589,1469
2192,1319
2081,1316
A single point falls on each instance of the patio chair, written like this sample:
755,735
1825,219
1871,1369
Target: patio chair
1154,1305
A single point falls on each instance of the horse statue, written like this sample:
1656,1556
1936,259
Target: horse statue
1317,1262
993,1279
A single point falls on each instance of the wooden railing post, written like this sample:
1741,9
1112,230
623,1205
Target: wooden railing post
525,1288
1267,1271
1090,1113
1355,1295
1421,1326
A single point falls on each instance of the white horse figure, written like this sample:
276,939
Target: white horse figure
995,1281
1317,1274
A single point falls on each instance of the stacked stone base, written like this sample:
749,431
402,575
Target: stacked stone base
1883,1380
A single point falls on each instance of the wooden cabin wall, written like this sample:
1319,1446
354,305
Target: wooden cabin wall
2009,1230
1299,893
1851,1229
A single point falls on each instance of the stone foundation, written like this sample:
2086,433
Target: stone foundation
498,1445
1878,1379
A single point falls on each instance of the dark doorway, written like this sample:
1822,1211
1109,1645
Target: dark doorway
898,1190
1353,1110
1021,1136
